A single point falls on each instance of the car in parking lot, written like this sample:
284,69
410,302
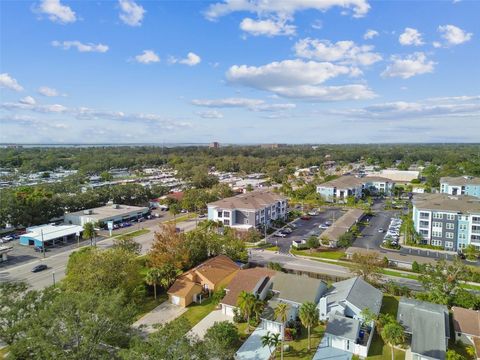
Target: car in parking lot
292,226
286,230
40,267
280,234
380,230
6,239
313,213
39,249
305,217
323,226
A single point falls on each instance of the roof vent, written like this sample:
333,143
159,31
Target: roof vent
87,212
115,206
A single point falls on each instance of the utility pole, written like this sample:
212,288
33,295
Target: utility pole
53,278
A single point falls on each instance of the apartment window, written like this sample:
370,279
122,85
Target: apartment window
450,216
226,222
461,246
450,226
449,235
220,213
424,232
462,236
436,233
437,242
475,228
424,215
475,238
476,219
463,226
246,221
437,215
226,214
424,224
437,224
449,244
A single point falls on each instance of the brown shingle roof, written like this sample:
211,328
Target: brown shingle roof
182,287
250,200
466,321
216,269
244,280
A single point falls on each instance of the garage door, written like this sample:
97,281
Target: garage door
272,326
175,300
228,310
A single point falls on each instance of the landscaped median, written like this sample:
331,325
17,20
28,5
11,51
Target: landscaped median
331,255
132,234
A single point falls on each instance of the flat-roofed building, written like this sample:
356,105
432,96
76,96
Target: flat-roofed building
342,225
50,234
461,185
112,212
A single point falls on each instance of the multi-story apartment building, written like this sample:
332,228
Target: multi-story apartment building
461,185
250,210
338,190
449,221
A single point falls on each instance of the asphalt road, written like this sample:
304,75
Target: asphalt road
57,263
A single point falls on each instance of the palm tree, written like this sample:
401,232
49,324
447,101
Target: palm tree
89,231
281,312
153,277
392,333
272,341
257,308
168,274
308,315
266,340
246,302
174,210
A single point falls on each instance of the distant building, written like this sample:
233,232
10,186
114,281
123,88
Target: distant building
214,145
449,221
111,212
250,210
462,185
338,190
396,176
50,234
272,146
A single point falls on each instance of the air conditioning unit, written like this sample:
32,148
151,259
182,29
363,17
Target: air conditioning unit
115,206
87,212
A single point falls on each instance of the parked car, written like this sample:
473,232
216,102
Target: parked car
201,216
380,230
39,268
287,230
292,226
313,213
280,234
6,239
323,226
39,249
328,223
306,217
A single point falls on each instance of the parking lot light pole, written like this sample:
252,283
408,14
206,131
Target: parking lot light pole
43,244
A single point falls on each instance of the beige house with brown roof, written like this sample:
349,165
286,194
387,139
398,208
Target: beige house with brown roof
466,323
209,276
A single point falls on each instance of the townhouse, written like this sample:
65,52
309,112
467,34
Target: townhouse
338,190
461,185
449,221
250,210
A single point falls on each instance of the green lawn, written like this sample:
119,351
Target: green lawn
332,255
298,348
182,218
399,274
378,349
196,312
133,234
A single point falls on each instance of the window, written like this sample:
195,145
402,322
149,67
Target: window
449,235
436,233
450,226
449,244
475,228
450,216
437,215
424,215
226,222
424,223
463,226
437,224
462,236
476,219
219,214
436,242
226,214
424,232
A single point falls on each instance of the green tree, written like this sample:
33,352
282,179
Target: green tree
308,314
218,295
281,313
453,355
272,341
245,303
471,252
127,243
312,242
153,278
174,210
393,334
89,232
168,274
222,340
367,266
106,176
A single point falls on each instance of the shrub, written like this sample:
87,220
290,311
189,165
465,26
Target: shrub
238,318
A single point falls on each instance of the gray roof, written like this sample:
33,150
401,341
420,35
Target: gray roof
460,180
343,224
446,202
297,288
348,181
343,327
429,325
357,292
251,200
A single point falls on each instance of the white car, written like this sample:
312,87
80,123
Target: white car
280,234
323,226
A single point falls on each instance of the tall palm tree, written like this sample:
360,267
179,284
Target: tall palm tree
392,333
246,302
281,312
266,340
89,231
257,308
308,315
153,277
272,341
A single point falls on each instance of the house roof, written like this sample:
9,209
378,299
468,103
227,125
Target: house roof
446,202
269,310
343,327
296,288
466,321
460,180
245,280
349,181
429,325
250,200
357,292
182,288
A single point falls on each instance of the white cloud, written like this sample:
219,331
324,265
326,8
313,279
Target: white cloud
268,27
370,34
299,79
192,59
131,13
6,81
284,7
81,47
48,91
317,24
453,35
27,100
410,37
437,44
411,65
56,11
248,103
147,57
210,114
343,51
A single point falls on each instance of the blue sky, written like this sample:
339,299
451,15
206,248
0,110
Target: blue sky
239,71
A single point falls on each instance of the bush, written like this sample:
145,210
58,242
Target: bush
238,317
274,266
312,242
345,240
396,290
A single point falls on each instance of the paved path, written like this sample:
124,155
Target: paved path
207,322
163,313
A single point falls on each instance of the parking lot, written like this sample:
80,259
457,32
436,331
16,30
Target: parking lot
305,228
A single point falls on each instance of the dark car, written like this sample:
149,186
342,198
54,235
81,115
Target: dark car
39,268
39,249
306,217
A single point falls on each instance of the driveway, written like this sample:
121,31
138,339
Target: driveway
327,352
252,348
162,314
207,322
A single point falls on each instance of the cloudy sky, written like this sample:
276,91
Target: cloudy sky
239,71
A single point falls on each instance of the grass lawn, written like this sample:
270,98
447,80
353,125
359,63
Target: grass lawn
197,312
399,274
132,234
181,218
298,348
378,349
332,255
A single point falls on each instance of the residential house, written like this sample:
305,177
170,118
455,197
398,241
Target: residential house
449,221
342,307
256,281
250,210
461,185
202,280
466,323
427,328
340,189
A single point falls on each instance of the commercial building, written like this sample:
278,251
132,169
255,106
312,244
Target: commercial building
111,212
250,210
50,234
461,185
340,189
449,221
214,145
396,176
